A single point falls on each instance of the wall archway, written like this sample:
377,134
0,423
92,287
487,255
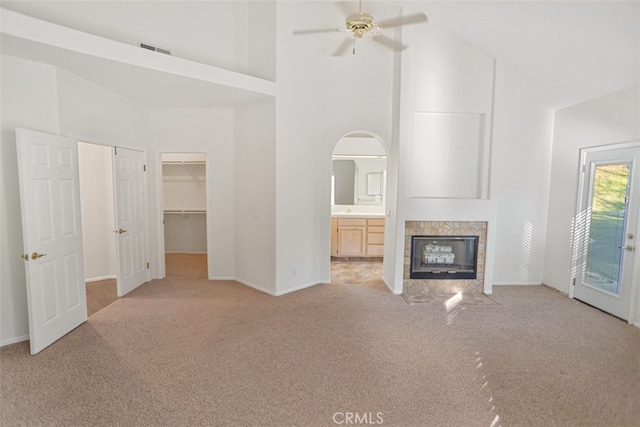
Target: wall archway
359,164
358,207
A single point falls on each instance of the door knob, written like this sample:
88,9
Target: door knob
627,248
120,231
36,255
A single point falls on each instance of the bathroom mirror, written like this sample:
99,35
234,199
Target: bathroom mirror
343,173
358,171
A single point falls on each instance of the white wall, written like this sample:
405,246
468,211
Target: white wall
96,201
602,121
40,97
320,99
208,32
255,195
441,74
92,113
206,130
29,100
522,138
185,234
262,39
44,98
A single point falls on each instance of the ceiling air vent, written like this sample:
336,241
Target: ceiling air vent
154,48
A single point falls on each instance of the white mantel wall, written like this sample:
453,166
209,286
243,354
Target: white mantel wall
440,74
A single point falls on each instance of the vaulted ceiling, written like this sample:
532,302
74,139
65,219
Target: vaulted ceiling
567,51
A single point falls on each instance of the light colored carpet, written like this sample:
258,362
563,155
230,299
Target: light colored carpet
100,294
183,351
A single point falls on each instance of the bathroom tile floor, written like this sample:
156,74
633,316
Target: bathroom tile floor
358,272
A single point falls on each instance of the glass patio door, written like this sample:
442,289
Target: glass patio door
606,228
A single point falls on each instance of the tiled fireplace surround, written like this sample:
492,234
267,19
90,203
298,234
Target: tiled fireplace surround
417,291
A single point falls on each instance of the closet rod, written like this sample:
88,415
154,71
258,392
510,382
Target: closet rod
185,212
183,162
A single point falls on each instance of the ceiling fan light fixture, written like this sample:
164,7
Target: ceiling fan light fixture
362,25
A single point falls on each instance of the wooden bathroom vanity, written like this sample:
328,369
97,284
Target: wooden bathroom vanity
357,236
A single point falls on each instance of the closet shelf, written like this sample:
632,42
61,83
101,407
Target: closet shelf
184,212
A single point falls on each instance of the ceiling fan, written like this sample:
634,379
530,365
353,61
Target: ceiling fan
363,25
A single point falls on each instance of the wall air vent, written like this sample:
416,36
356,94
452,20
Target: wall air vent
154,48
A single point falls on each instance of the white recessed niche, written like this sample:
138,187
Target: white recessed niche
448,157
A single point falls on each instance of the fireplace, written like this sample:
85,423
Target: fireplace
444,257
420,284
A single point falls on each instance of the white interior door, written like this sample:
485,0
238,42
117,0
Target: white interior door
52,235
608,218
130,194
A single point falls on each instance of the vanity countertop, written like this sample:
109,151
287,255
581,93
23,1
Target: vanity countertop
357,215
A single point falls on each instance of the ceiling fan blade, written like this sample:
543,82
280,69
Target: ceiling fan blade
415,18
390,43
343,47
316,31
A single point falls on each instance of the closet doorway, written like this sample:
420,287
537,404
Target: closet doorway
184,196
95,167
113,203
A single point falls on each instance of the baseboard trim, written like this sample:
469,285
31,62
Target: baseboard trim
254,286
517,283
278,293
98,279
300,287
393,291
14,340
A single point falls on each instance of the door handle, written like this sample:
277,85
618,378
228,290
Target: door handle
36,255
120,231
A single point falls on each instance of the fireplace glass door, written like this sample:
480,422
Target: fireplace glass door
444,257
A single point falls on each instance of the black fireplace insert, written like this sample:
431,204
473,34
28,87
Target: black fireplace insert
444,257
